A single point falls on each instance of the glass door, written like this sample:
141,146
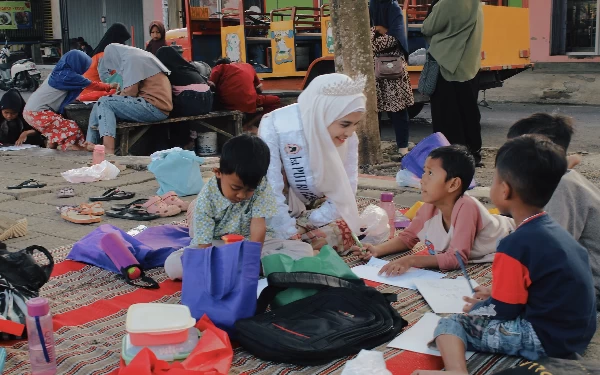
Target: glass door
582,25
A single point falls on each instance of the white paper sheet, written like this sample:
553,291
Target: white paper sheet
370,271
418,336
262,284
16,148
445,296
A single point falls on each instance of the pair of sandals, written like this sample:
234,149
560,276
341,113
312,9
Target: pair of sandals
150,209
82,214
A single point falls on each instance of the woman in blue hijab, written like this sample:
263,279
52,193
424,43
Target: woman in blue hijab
45,106
388,38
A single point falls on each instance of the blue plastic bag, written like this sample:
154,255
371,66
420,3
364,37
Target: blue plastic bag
177,170
221,282
414,161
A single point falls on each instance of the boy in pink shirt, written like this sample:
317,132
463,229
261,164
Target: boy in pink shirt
450,221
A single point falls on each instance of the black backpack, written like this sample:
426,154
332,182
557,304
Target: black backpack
344,317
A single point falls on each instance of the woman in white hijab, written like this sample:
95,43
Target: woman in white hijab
314,162
146,94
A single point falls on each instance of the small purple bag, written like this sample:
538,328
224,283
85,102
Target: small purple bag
221,282
414,161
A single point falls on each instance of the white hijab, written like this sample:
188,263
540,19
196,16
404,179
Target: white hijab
133,64
328,98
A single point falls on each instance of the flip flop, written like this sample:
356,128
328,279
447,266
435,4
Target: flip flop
113,194
94,209
155,205
80,216
29,184
67,192
172,199
135,204
135,214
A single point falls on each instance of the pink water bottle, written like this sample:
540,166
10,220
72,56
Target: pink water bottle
40,334
99,155
387,203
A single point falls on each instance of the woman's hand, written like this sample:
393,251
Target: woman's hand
481,294
22,139
381,30
114,85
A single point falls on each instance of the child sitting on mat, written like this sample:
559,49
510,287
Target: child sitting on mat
237,200
575,204
542,303
450,221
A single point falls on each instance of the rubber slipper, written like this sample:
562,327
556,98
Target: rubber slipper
113,194
29,184
79,217
67,192
132,214
172,199
94,209
136,203
155,205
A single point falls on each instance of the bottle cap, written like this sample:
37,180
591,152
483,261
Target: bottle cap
99,148
387,197
38,306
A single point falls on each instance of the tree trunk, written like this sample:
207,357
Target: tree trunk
353,56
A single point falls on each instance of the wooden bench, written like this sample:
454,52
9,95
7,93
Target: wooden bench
131,132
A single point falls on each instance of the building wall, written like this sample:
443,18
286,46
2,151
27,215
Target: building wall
540,19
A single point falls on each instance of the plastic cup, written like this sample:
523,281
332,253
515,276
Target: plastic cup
232,238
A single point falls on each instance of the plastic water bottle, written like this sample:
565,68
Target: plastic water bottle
99,155
40,333
387,203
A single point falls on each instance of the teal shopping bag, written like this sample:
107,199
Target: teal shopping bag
177,170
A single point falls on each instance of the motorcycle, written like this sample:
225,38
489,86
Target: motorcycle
23,74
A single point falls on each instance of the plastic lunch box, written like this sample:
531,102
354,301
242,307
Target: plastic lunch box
151,324
169,353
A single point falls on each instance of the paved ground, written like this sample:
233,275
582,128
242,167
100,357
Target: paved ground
495,123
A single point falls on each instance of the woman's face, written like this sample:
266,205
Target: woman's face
9,114
342,129
155,34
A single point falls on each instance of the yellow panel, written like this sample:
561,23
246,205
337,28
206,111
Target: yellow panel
282,45
506,33
233,43
327,37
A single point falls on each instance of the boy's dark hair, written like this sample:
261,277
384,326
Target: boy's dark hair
533,166
247,156
457,161
222,60
556,127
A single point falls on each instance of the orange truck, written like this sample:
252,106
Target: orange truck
291,45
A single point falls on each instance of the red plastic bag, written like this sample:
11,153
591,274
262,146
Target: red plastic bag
93,96
212,356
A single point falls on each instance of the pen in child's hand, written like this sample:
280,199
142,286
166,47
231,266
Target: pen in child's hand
362,249
464,270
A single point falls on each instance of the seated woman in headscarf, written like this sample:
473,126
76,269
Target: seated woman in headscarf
157,35
46,105
14,130
191,93
146,96
117,33
314,159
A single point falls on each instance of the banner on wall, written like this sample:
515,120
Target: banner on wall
15,15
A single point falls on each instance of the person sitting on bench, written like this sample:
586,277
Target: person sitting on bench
238,89
146,96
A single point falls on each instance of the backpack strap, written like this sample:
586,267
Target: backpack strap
280,281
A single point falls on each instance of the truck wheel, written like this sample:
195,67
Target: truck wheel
415,109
